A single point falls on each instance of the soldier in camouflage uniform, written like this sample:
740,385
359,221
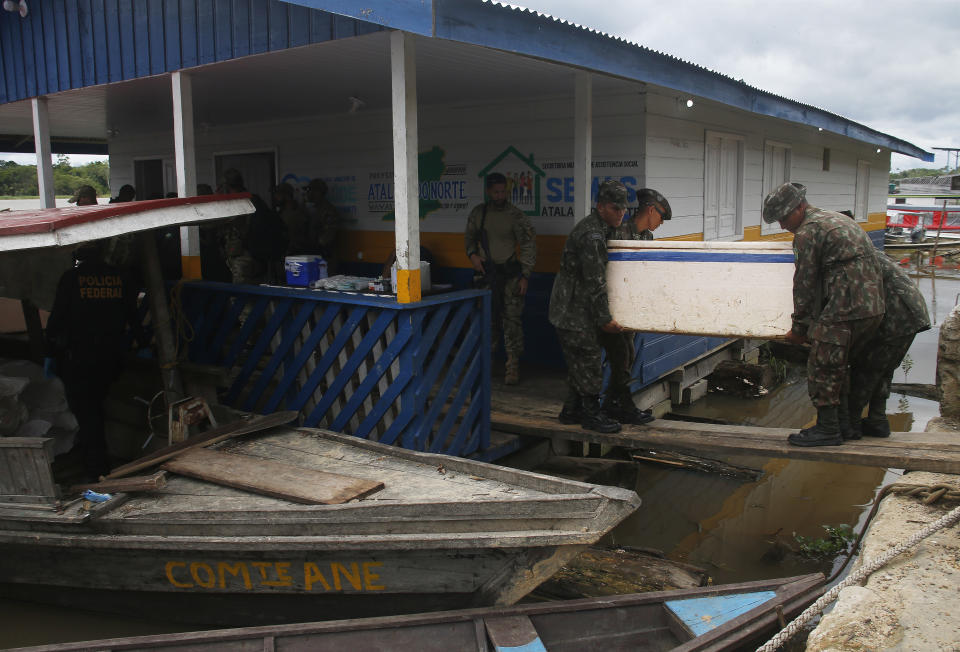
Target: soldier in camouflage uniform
502,246
906,315
244,267
323,224
837,302
652,209
580,311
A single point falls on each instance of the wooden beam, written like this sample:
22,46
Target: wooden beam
125,485
914,451
226,431
271,478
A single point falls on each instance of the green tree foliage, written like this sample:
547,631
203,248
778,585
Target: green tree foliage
21,180
922,172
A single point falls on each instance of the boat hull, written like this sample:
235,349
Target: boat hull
728,289
443,533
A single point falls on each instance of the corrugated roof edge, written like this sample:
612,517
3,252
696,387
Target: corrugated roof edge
509,28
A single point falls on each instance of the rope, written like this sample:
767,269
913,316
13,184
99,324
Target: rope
869,567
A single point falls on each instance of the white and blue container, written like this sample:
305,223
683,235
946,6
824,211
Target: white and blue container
730,289
304,270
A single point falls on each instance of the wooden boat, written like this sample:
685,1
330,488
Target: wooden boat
730,289
442,532
709,618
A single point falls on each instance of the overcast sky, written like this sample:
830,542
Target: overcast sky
889,65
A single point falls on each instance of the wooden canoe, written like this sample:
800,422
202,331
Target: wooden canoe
712,618
443,532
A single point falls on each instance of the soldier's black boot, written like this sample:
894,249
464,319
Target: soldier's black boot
853,421
594,418
572,411
620,406
825,433
846,421
875,424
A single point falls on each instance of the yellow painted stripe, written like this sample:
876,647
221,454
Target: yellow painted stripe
408,285
190,266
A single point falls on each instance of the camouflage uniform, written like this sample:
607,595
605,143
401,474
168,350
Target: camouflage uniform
579,308
906,315
620,356
513,243
837,299
323,222
244,268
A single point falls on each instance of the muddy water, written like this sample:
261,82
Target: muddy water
743,530
738,530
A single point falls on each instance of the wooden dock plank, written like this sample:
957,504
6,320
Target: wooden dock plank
297,484
913,451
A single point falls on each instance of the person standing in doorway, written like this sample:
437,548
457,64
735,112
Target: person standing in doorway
837,302
501,244
323,223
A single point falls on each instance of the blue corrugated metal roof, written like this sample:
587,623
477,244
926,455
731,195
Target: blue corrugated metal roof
527,32
69,44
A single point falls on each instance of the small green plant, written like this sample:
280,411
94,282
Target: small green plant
907,365
837,539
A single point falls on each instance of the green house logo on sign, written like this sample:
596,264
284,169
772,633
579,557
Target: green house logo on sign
523,179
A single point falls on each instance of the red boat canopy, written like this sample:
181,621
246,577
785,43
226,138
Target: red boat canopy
59,227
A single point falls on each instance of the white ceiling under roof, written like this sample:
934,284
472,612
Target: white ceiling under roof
311,80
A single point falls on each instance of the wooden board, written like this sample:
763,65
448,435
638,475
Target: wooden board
233,429
270,478
913,451
513,633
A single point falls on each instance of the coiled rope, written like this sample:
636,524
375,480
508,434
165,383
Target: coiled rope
929,494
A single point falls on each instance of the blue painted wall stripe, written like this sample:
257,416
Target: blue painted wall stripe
699,257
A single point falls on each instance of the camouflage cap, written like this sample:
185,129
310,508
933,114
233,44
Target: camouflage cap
781,201
650,197
613,192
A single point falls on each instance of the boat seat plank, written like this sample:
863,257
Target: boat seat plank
419,479
913,451
513,633
294,483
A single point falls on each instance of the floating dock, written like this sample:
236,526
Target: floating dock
913,451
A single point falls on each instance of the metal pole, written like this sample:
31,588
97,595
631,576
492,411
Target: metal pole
160,317
936,243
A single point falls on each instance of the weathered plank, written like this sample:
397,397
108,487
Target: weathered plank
513,633
298,484
135,483
914,451
232,429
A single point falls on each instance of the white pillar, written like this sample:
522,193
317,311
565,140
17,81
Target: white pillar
406,205
186,164
582,145
41,139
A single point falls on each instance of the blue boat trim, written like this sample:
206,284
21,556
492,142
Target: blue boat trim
532,646
703,614
700,257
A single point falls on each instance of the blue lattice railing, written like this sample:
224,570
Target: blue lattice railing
417,375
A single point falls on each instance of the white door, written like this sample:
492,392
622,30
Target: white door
776,171
863,190
723,184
